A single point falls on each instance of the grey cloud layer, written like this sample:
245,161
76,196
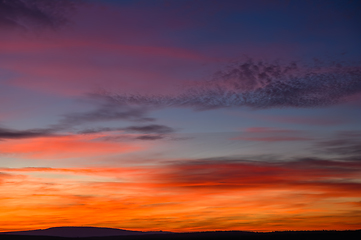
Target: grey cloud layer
261,84
27,14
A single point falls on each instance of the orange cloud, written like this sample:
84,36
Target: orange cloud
64,147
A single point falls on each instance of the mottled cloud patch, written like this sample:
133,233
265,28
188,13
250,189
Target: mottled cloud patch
30,14
262,85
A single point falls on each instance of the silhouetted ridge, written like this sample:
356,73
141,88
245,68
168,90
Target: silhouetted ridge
80,232
138,235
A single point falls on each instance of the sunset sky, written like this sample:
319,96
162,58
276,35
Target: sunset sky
180,115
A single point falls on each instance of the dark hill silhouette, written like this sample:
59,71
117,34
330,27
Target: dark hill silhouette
80,232
135,235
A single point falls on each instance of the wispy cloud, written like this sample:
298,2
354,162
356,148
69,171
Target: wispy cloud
345,144
28,14
150,137
264,134
260,85
107,112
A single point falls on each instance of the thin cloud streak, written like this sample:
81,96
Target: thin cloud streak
264,134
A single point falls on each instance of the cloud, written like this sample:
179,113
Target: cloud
149,132
333,178
262,85
150,137
147,129
320,121
108,111
93,171
6,133
98,130
264,134
60,147
311,174
161,129
194,191
105,111
345,144
3,176
27,14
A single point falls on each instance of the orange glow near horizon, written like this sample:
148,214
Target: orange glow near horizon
180,198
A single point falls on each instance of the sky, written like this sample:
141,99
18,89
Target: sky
180,115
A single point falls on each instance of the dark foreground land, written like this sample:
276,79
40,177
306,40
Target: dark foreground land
288,235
